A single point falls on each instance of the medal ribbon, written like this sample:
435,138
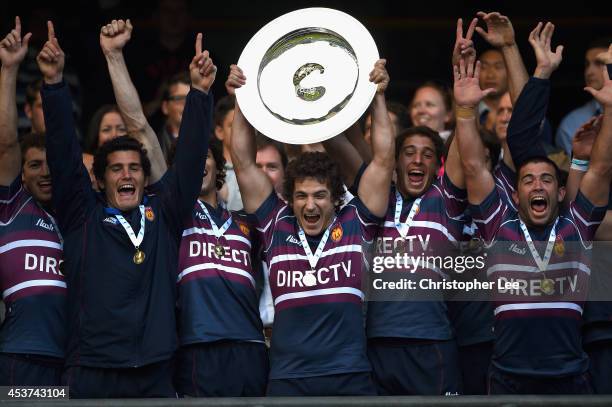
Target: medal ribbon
542,263
313,259
403,228
136,240
216,231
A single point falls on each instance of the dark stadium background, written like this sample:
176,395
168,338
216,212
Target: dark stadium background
415,37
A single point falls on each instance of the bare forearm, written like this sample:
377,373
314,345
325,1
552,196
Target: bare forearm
517,74
574,179
478,179
508,156
452,167
255,186
10,158
125,93
596,182
355,137
131,111
383,137
346,156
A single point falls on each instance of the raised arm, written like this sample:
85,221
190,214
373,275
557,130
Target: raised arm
113,38
530,108
346,154
462,51
13,49
255,186
595,184
467,94
500,34
194,134
376,180
72,192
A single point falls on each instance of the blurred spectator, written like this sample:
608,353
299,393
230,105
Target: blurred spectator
105,125
593,77
172,107
432,106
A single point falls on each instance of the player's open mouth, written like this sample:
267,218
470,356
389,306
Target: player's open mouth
312,219
416,176
45,186
538,204
126,190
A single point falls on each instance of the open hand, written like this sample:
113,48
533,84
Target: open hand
547,60
499,29
466,89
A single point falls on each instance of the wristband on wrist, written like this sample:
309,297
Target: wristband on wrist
465,112
579,165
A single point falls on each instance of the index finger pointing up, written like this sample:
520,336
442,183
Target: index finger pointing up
198,44
50,30
470,31
18,24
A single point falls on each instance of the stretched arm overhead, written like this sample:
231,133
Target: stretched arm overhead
595,184
255,186
376,180
500,34
462,51
72,192
113,38
531,106
13,49
467,94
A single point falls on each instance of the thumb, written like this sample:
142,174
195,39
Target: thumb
559,50
591,90
128,25
26,40
481,32
487,92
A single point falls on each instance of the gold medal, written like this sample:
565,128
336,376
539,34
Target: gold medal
548,286
559,248
139,256
219,251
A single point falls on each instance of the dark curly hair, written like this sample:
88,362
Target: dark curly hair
315,165
423,131
216,149
122,143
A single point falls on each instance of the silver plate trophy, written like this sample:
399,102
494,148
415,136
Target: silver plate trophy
307,75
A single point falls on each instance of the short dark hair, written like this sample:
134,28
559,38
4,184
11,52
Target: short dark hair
32,91
216,149
93,131
315,165
121,143
262,142
423,131
539,159
180,77
400,111
443,89
223,107
31,140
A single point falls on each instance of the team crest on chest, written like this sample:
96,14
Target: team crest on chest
244,228
336,233
149,214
